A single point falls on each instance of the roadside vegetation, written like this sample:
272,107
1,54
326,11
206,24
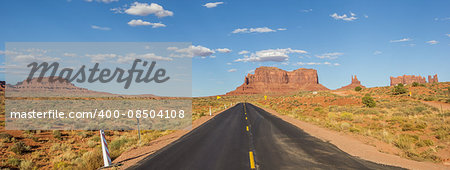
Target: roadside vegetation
81,149
388,114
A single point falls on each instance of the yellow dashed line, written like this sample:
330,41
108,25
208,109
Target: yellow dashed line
245,118
247,128
252,161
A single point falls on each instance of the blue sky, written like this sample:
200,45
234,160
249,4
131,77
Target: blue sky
372,39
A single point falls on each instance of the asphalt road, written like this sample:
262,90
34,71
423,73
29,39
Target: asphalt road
247,137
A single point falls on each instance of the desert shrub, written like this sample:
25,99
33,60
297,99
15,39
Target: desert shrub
404,141
407,127
399,89
19,148
421,125
57,134
415,84
91,160
430,98
60,147
96,139
83,134
62,165
91,144
26,165
6,137
13,162
425,142
358,88
346,116
368,101
345,126
428,142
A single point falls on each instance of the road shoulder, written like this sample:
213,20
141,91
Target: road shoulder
351,145
133,156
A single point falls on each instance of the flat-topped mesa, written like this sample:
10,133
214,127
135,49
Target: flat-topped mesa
275,80
355,83
409,79
47,84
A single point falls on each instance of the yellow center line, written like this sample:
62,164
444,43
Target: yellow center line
245,118
247,128
252,161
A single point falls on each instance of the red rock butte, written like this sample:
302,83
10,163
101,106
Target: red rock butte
274,80
409,79
355,83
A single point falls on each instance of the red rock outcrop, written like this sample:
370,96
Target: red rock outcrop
275,80
409,79
351,86
433,79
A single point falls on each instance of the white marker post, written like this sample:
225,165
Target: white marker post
105,150
210,111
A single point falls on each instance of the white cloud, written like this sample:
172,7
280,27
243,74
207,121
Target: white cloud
191,51
276,55
243,52
150,56
95,58
344,17
139,22
377,52
7,52
104,1
223,50
229,63
256,30
232,70
212,4
315,63
432,42
310,63
144,9
213,56
100,28
448,35
330,55
366,16
401,40
251,71
306,10
69,55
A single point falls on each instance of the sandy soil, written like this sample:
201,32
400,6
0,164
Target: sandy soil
133,156
356,146
439,105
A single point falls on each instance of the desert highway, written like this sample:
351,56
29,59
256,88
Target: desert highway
247,137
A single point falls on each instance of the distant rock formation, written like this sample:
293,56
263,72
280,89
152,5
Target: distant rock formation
409,79
433,79
275,80
60,86
355,83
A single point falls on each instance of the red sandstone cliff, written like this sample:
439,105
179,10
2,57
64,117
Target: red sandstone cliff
275,80
355,83
409,79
